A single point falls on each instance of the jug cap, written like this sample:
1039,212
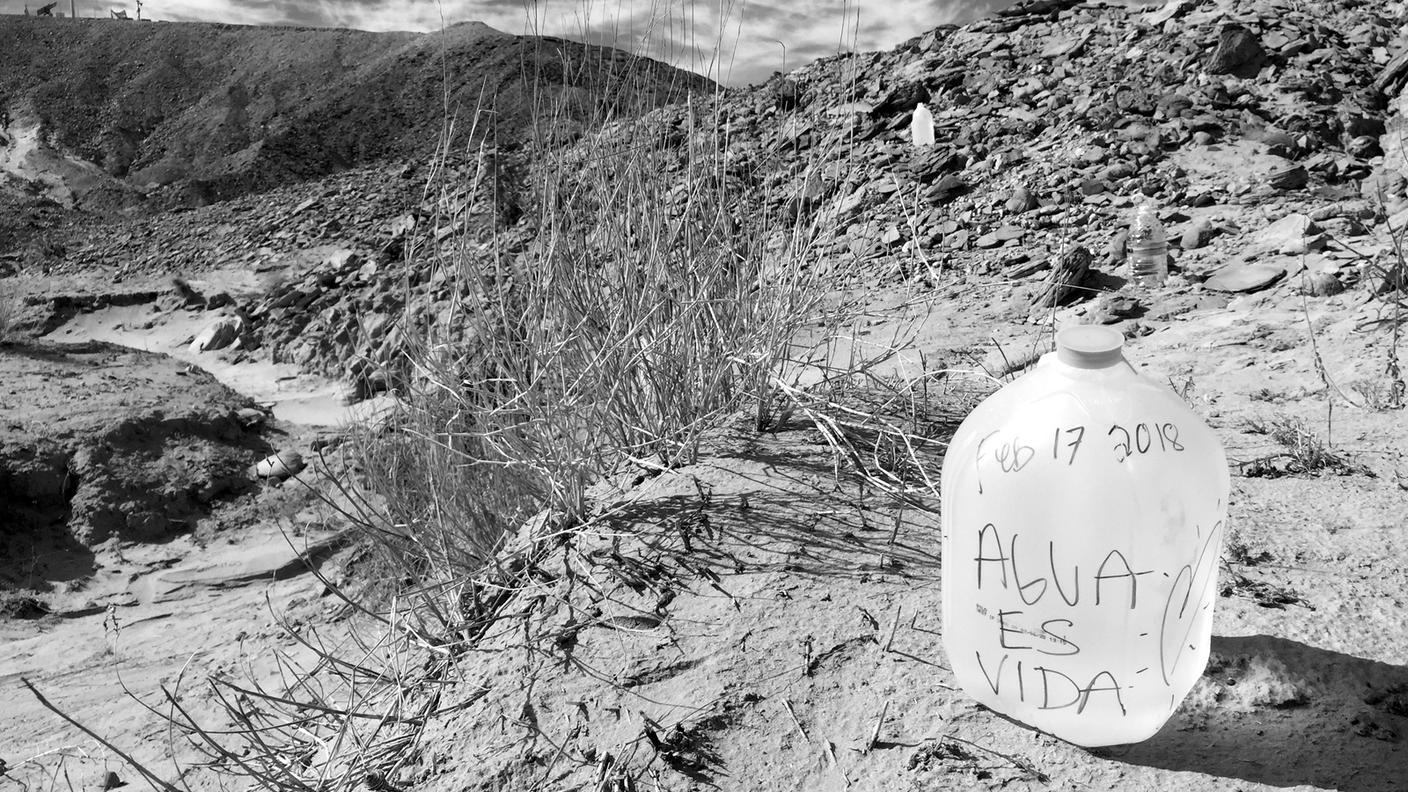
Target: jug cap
1089,346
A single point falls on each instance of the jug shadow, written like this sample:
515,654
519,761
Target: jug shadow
1275,711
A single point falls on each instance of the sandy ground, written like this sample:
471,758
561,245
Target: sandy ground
154,618
801,645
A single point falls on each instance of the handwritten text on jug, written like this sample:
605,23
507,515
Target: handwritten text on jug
1029,649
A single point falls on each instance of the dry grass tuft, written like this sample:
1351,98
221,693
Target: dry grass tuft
9,317
609,304
1305,451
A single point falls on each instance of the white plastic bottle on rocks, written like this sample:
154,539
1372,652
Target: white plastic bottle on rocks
1147,247
1082,511
921,126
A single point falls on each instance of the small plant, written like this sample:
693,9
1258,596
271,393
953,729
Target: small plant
9,317
1387,276
1379,396
1305,451
1185,388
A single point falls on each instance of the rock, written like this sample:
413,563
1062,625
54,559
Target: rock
1196,235
902,98
1118,250
1117,171
1021,201
1092,187
1172,105
1008,233
218,334
988,241
279,466
1391,79
250,417
1112,308
948,188
813,191
364,385
1279,143
18,606
1291,178
1364,147
341,261
1287,234
1356,208
1322,284
112,781
1368,722
787,95
930,163
1170,10
1238,51
1382,184
1240,277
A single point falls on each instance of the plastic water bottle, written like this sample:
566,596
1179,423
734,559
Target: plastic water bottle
1082,508
1147,247
921,126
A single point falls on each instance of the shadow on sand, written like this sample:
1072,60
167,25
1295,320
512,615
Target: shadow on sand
1278,712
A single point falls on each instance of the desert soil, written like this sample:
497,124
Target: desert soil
759,619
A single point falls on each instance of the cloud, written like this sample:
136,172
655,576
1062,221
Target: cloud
734,41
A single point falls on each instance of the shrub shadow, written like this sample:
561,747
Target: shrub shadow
790,511
1279,712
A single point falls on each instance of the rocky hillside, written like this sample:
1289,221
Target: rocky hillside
188,113
1053,119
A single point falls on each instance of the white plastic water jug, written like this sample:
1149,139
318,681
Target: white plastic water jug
1082,511
921,126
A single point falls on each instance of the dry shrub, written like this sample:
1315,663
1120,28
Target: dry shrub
620,298
646,292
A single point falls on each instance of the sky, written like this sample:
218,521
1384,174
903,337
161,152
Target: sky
755,37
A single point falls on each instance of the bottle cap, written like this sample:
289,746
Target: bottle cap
1089,346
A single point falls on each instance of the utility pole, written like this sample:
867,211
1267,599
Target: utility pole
73,14
139,10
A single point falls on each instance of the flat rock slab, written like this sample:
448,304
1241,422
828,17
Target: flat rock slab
1287,234
1244,277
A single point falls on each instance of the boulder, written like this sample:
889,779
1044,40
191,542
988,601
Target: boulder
218,334
1238,51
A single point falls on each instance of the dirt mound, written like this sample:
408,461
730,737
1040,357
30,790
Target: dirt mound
211,111
101,441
